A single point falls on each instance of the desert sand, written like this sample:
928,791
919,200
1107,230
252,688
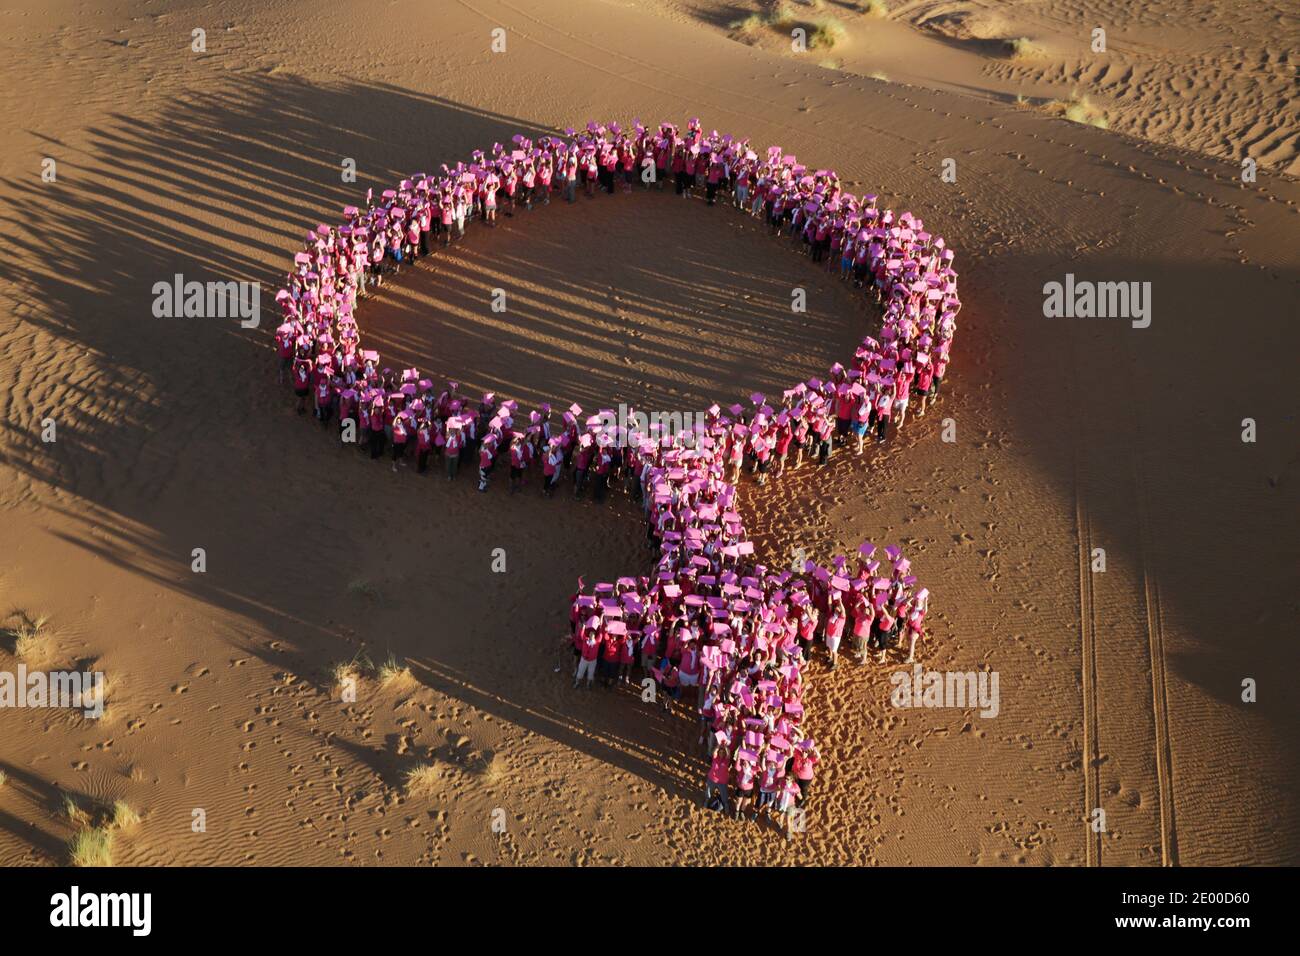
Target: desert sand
1120,690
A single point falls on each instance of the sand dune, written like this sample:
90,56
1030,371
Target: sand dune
1213,78
1120,690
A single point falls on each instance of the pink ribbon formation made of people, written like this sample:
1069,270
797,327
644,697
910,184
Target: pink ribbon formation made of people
708,623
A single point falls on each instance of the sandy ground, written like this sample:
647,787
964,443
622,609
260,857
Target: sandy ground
1119,690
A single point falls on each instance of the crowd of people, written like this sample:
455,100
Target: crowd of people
709,625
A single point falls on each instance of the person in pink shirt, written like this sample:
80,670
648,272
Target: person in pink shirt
589,645
762,442
571,177
712,178
824,435
715,786
863,617
423,443
544,174
446,213
490,186
610,652
455,444
627,650
649,647
323,390
581,462
688,670
552,466
835,620
746,773
347,411
885,628
487,456
769,782
808,618
800,439
786,802
603,464
884,404
401,432
915,631
518,461
301,376
924,380
902,390
284,337
803,761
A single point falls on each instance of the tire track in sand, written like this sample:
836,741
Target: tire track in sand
1156,644
1088,651
1125,738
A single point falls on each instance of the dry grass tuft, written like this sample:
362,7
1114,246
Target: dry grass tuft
123,816
29,636
92,847
393,673
826,33
358,667
422,779
1023,48
782,14
73,811
1079,109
